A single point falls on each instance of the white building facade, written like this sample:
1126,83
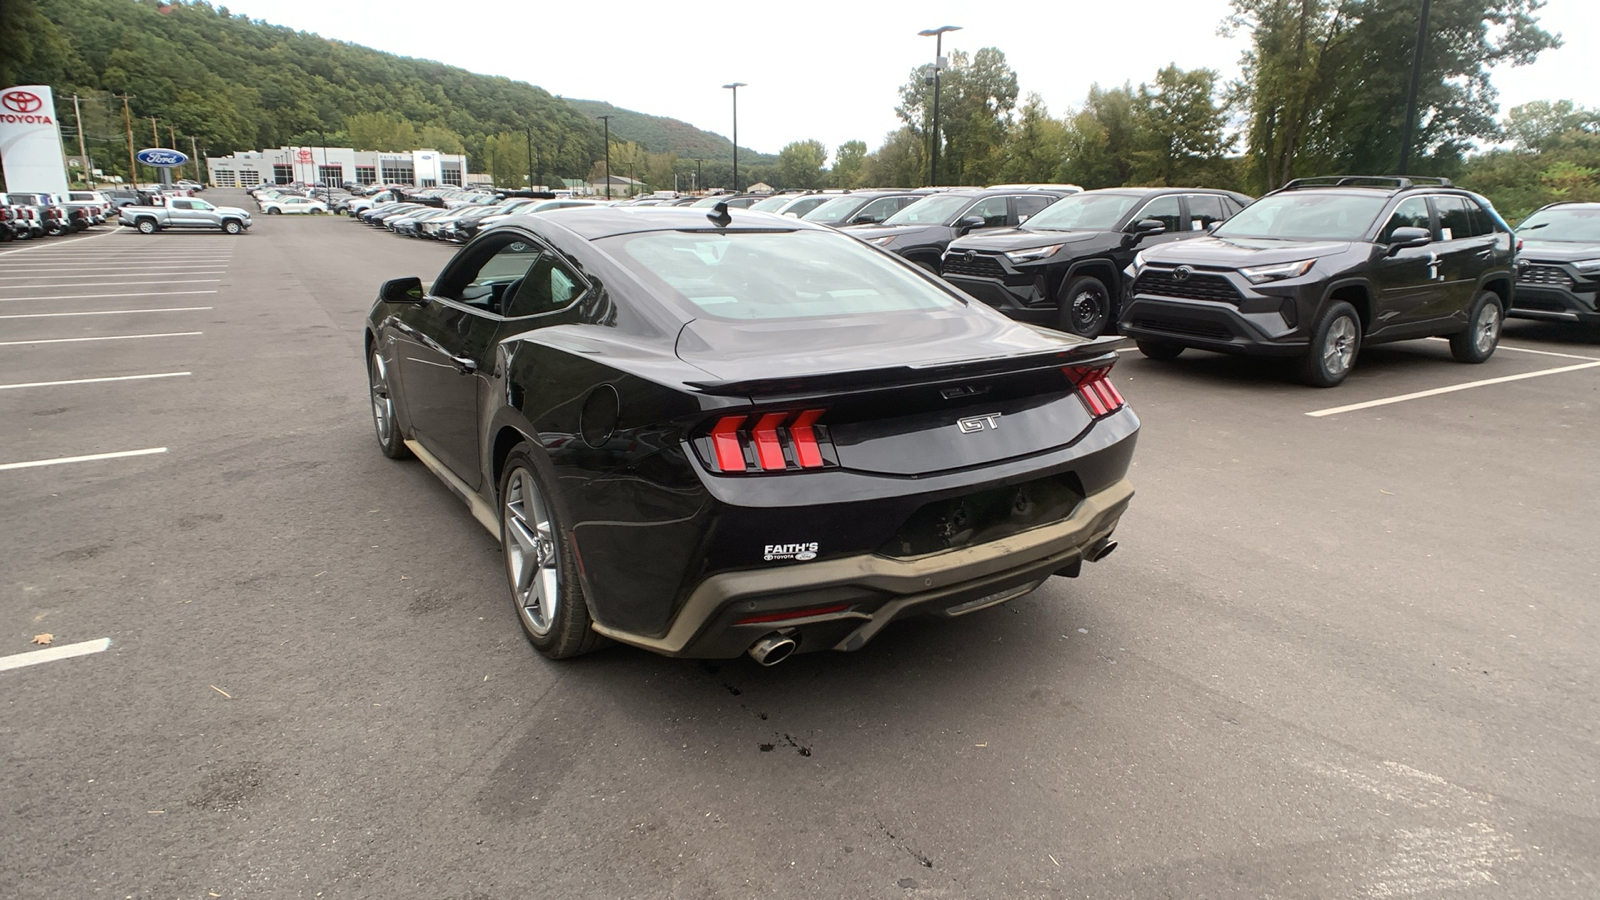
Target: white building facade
336,165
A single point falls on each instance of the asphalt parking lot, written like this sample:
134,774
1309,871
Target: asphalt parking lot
1347,648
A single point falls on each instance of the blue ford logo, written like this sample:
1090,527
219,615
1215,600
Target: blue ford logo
162,158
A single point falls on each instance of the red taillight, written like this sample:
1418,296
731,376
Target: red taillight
794,614
776,442
1095,388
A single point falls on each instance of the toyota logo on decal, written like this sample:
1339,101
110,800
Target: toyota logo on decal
1182,273
21,101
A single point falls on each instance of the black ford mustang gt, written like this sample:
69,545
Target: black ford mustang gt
710,434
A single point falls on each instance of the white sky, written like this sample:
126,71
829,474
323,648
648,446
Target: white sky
831,70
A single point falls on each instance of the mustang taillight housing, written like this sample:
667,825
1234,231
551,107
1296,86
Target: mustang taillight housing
777,441
1095,389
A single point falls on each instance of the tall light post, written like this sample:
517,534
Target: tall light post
938,66
735,88
607,120
1411,93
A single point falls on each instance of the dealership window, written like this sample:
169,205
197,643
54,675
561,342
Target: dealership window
225,178
332,176
282,174
366,174
397,172
249,178
450,175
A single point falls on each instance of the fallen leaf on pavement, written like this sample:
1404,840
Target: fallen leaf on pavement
43,638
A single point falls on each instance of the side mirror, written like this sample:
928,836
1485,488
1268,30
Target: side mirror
967,223
1145,227
1402,238
401,290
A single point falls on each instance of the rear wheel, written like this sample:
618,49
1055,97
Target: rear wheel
148,226
1085,306
1334,344
540,569
274,211
1477,343
1159,349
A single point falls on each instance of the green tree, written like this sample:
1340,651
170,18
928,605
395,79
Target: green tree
899,162
380,131
1543,125
1036,145
1180,128
800,164
976,97
440,138
1100,140
849,165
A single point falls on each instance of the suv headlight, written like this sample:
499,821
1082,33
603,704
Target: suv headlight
1587,266
1032,253
1277,271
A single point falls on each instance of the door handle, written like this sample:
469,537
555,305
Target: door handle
464,365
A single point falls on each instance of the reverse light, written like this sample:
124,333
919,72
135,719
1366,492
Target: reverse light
1032,253
1095,389
1278,271
785,440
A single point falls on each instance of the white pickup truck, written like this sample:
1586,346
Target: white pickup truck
185,212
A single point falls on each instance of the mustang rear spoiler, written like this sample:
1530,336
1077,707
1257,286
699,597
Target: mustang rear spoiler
1100,351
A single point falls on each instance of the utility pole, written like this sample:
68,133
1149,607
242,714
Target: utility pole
528,131
194,154
1411,94
155,136
88,168
607,120
735,88
127,120
938,67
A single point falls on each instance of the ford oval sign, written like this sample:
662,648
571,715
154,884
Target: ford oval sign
162,159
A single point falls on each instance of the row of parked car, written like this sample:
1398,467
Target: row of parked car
26,215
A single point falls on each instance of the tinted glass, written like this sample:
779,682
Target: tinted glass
933,210
1163,209
1087,212
1204,210
1455,218
773,275
1411,213
547,286
771,204
1562,223
488,278
1306,215
801,207
180,204
992,210
1028,207
834,211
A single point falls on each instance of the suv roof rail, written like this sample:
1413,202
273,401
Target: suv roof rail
1400,182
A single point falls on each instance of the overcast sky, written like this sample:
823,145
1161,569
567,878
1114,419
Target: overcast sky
831,70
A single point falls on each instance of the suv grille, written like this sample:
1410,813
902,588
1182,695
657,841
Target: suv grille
1551,275
1199,286
982,265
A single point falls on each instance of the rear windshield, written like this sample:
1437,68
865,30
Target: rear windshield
1092,212
1305,215
1563,223
773,275
934,210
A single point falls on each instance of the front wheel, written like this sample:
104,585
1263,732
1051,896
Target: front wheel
232,226
390,440
1478,342
540,569
274,211
1159,349
1334,344
1085,306
147,226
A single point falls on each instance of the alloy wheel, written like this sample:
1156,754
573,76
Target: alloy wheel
382,404
1340,349
1486,331
531,552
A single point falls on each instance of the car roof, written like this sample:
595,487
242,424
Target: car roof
595,222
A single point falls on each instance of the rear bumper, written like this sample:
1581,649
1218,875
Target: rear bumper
1558,304
874,590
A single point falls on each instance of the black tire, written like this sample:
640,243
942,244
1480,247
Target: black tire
232,226
1159,349
1335,342
1482,335
147,226
274,211
538,553
384,420
926,266
1084,307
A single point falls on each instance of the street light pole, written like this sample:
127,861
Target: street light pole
938,66
1411,94
735,88
607,120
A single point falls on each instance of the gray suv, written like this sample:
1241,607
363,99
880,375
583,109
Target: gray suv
1322,266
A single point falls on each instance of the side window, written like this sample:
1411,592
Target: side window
548,286
1482,222
180,204
1411,213
1205,210
1455,220
1028,207
1164,208
991,209
881,209
200,204
488,278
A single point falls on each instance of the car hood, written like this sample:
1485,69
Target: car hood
234,210
872,232
1239,252
746,350
1004,239
1560,251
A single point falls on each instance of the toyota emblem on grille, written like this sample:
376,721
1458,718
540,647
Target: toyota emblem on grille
1182,273
969,256
1523,265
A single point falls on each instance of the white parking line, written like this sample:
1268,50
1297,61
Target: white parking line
34,384
209,270
62,460
114,268
93,296
29,287
107,312
1531,350
50,654
58,245
113,337
1450,390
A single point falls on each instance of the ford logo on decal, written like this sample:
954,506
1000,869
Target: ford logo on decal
1182,273
162,158
21,101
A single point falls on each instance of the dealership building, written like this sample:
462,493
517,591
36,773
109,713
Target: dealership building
336,165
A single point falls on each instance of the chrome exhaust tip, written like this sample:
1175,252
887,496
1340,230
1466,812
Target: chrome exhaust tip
1103,551
772,649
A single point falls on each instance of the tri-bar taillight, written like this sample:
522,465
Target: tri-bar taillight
778,441
1095,389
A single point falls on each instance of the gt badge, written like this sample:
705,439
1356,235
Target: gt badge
976,424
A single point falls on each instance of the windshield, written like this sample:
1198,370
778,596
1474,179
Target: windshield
835,211
934,210
773,275
1563,223
1089,212
771,204
1306,216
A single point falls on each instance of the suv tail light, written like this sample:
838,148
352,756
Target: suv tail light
777,441
1095,389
